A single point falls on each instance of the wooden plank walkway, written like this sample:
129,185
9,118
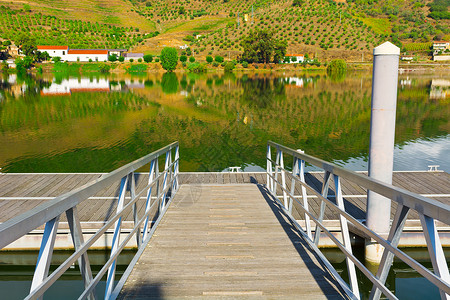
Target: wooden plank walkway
222,241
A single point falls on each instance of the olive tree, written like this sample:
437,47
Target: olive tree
169,58
260,46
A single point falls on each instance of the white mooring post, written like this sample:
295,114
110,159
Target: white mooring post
382,133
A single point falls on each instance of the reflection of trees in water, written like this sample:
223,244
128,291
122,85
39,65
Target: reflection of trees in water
169,83
331,121
326,119
337,77
261,92
419,116
183,82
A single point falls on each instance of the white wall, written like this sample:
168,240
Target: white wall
86,57
74,57
54,53
299,59
134,58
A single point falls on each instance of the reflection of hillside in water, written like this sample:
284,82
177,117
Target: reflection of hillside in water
220,120
440,89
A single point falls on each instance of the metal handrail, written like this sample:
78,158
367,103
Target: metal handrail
428,210
49,214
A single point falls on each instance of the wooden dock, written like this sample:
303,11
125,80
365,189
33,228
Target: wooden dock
22,192
219,241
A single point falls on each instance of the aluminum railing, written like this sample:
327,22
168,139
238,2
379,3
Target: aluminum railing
429,212
160,190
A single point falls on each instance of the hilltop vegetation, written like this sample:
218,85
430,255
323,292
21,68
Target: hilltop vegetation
321,28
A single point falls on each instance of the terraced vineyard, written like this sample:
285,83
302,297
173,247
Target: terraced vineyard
322,28
50,30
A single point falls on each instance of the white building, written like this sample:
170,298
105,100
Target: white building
117,52
440,46
407,58
133,56
441,50
86,55
299,58
54,51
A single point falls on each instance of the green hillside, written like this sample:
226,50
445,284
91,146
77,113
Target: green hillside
323,28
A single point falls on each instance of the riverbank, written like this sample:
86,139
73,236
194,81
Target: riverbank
80,68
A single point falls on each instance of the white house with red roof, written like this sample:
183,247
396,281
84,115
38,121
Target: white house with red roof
67,54
53,51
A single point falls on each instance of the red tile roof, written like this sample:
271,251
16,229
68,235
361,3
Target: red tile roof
87,51
52,47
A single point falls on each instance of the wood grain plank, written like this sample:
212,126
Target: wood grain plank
204,250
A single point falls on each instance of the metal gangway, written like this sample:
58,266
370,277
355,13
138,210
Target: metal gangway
282,180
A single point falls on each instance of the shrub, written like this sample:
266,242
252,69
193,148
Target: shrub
139,59
148,58
104,68
4,66
229,67
56,59
191,59
218,59
245,64
337,66
157,59
183,58
337,69
197,68
112,57
209,59
215,64
137,68
131,60
121,59
90,59
23,64
169,58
